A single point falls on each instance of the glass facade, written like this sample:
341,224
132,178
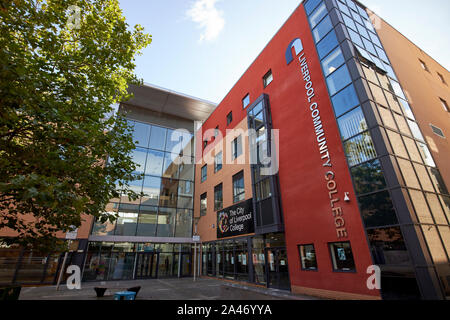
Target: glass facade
257,259
406,148
165,159
126,261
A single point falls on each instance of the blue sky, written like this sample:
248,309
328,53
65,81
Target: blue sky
202,47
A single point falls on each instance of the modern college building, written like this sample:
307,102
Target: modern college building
329,156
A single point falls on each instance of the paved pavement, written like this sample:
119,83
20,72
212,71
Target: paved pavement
163,289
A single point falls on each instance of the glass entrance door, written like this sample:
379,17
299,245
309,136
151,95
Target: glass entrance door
277,271
147,264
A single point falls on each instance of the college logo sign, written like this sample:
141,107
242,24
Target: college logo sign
298,47
236,220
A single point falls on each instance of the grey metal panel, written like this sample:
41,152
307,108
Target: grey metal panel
335,17
377,138
348,50
371,114
403,207
354,69
362,90
341,33
330,4
166,101
139,239
390,171
426,276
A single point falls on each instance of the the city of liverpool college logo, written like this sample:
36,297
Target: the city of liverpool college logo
298,47
223,222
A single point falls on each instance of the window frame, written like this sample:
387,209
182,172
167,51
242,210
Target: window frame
206,207
330,244
216,189
218,167
424,65
436,131
441,77
266,77
243,101
229,118
206,173
316,269
236,178
234,148
444,105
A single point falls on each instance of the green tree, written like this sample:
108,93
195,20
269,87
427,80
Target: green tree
62,68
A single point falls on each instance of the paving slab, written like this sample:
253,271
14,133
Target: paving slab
163,289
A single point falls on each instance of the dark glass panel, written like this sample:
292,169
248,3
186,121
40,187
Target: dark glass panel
368,177
378,210
308,257
388,246
342,256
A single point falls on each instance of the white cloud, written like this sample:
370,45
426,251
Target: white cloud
208,18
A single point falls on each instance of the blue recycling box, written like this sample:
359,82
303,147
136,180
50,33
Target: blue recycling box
125,295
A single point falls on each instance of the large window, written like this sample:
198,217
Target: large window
246,101
338,80
345,100
236,147
218,198
327,44
308,257
238,187
203,204
218,162
333,61
342,256
352,123
268,78
318,15
204,173
167,186
322,29
229,118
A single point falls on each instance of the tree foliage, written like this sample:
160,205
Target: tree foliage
61,72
